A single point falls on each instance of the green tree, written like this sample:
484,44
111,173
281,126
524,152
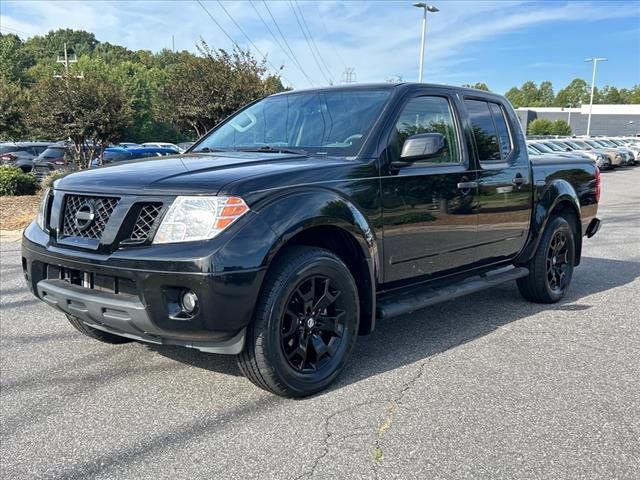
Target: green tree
51,45
201,91
14,60
576,93
560,127
477,86
514,95
13,105
541,126
91,112
545,94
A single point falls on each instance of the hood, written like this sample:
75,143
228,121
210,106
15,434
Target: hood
193,173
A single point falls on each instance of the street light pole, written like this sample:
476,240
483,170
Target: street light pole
425,8
593,86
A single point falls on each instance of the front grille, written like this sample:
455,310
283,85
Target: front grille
98,210
146,218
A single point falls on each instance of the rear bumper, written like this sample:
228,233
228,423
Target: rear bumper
140,298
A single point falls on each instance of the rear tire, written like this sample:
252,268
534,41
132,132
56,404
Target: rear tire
551,269
104,337
305,323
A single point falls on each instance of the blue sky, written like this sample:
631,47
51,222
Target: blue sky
502,43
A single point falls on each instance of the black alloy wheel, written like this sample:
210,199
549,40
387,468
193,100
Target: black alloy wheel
558,262
313,324
551,268
305,323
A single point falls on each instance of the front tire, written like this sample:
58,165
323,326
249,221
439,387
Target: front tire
551,269
305,323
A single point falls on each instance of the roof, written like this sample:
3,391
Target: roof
389,86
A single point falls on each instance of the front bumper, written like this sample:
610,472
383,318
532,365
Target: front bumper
136,294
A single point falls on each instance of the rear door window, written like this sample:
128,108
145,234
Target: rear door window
504,137
484,130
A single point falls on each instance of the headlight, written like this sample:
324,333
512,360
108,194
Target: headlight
42,210
199,218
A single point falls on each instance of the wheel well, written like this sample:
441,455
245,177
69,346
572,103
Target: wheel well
568,211
345,246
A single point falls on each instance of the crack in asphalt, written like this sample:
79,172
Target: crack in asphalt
325,441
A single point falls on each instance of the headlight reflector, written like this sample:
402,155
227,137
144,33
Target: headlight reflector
192,218
42,210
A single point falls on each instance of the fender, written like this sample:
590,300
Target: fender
553,194
293,212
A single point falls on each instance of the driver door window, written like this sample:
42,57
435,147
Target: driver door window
428,114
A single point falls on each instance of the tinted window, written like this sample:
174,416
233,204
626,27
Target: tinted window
503,131
484,130
427,115
53,152
115,156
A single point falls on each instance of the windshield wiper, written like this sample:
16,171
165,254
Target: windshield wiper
270,149
207,150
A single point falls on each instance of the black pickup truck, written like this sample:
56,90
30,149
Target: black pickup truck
298,222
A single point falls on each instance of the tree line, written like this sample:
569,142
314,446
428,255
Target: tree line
530,94
114,94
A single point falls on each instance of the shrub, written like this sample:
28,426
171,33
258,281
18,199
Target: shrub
541,126
560,127
14,181
47,182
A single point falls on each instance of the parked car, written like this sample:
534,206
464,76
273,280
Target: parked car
626,154
163,145
21,154
298,222
615,156
599,156
119,154
633,148
54,158
127,145
184,146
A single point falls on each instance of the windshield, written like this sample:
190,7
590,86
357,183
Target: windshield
542,147
553,147
605,143
574,145
319,123
583,145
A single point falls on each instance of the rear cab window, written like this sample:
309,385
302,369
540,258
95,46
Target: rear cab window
491,130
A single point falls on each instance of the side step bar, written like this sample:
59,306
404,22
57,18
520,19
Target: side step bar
421,297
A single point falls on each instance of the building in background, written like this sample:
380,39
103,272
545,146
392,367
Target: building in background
611,120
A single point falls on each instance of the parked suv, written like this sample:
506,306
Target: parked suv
21,154
300,221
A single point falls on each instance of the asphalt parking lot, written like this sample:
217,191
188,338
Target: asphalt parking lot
487,386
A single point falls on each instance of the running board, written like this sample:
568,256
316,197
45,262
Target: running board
421,297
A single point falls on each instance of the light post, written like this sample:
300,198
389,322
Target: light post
593,85
425,8
569,106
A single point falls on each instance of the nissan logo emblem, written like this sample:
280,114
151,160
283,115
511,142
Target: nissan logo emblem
84,215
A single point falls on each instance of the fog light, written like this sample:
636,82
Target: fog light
189,301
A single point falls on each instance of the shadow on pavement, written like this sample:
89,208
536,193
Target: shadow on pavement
428,332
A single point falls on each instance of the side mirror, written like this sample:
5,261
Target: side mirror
422,147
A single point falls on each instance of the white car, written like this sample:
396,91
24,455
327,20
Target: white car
163,145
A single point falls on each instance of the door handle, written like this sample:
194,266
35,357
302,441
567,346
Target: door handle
467,185
518,180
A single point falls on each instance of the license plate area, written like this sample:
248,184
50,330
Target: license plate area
92,281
